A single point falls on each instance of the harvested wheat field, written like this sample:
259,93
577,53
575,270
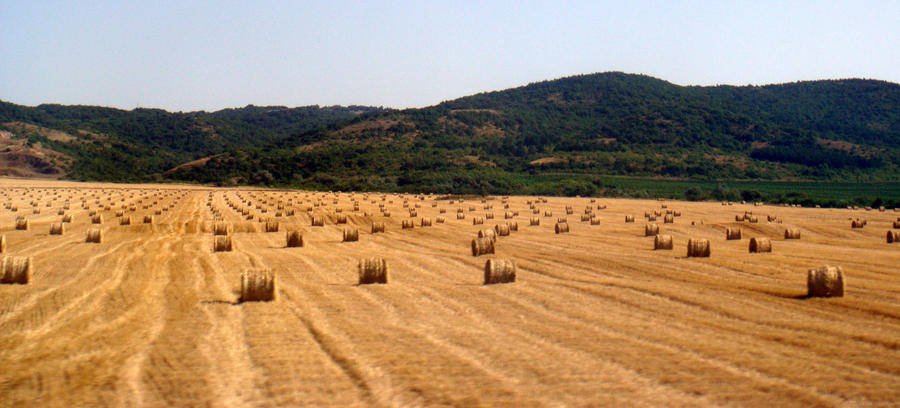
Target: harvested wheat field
158,314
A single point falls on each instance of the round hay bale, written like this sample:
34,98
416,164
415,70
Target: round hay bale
792,233
439,220
148,219
698,248
499,271
67,218
893,237
760,245
220,228
120,213
595,220
222,243
629,218
753,219
377,227
669,219
22,224
651,230
372,270
585,217
294,239
825,281
662,241
94,236
318,221
489,216
15,270
738,218
56,228
482,246
507,215
535,221
569,210
502,229
732,234
676,213
513,225
477,220
561,227
272,226
425,222
896,224
548,213
340,218
408,224
257,285
857,223
351,235
460,216
125,220
61,212
488,233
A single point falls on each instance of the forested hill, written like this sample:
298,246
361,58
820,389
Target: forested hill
576,128
119,145
608,123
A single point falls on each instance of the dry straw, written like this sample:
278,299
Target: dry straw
629,218
561,227
257,284
502,229
477,220
792,233
669,219
732,233
341,218
825,281
2,244
372,270
222,244
662,241
94,236
125,220
513,225
893,237
651,230
351,235
698,248
534,221
482,246
318,221
15,269
67,218
595,220
499,271
272,226
425,222
148,219
439,220
760,245
408,224
377,227
22,224
220,228
56,228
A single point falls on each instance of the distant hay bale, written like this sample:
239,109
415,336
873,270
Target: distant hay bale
669,219
770,218
351,235
488,233
513,225
482,246
257,285
651,230
148,219
792,233
220,228
601,206
534,221
22,224
585,217
67,218
825,281
896,224
561,227
408,224
548,213
507,215
460,216
676,213
489,216
272,226
439,220
499,271
760,245
126,220
372,270
377,227
893,237
222,243
857,223
61,212
629,218
340,219
569,210
662,241
732,234
698,248
94,236
318,221
15,270
739,218
595,220
753,219
425,222
477,220
120,213
294,239
56,228
502,229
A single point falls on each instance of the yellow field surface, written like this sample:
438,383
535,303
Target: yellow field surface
596,317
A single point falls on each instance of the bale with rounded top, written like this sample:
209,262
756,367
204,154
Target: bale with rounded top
732,234
220,228
377,227
22,224
477,220
408,224
662,241
698,248
272,226
482,246
792,233
499,271
351,235
15,270
318,221
372,270
561,228
893,237
222,243
56,228
294,239
94,236
825,281
502,229
651,230
629,218
760,245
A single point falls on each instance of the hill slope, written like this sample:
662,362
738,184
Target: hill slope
609,123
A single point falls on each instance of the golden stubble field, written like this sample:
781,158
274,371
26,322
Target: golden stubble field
149,316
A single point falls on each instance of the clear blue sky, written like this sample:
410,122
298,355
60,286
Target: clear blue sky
193,55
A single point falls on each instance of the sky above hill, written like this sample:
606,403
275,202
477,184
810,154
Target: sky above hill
208,55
